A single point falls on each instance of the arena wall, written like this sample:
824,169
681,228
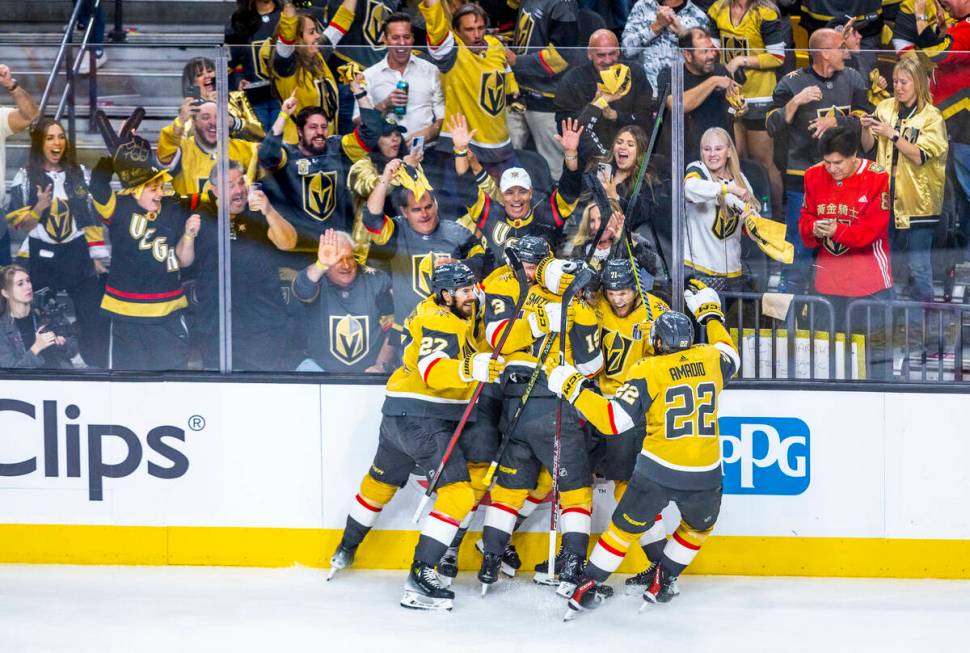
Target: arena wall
178,473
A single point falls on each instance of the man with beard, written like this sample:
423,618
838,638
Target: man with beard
415,240
313,173
604,94
190,157
256,233
350,310
706,85
425,397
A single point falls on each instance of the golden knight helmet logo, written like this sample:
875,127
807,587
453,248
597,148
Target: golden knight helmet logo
320,194
349,337
492,93
422,265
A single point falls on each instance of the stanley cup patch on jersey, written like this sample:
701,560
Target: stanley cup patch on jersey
320,194
491,96
617,348
523,32
349,337
373,25
725,222
422,266
58,222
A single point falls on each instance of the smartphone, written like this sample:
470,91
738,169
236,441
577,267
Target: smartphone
605,172
417,143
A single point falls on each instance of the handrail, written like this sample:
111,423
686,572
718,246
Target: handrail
68,33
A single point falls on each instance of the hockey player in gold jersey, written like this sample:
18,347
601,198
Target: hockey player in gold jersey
531,444
672,398
424,399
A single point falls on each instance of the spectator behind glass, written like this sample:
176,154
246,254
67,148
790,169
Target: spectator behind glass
298,62
581,95
719,197
96,40
423,103
752,42
706,84
50,200
26,340
910,138
251,26
846,217
652,30
13,120
543,47
256,233
806,104
611,244
349,309
199,85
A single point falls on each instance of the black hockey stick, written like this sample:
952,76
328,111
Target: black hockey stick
641,173
516,265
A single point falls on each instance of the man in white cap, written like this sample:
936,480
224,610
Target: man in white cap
519,213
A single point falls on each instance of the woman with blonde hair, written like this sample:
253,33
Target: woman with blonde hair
909,136
25,339
719,197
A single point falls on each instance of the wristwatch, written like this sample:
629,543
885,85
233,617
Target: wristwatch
895,137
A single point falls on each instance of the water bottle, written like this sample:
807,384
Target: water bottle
403,87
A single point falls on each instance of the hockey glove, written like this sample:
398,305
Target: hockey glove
555,274
565,381
545,319
481,367
703,301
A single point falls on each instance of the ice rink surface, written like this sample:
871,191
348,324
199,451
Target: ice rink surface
187,609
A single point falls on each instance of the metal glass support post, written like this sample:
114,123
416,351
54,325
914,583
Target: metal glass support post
222,165
117,33
677,164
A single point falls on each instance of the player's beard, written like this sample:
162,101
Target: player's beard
459,312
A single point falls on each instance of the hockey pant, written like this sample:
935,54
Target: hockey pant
531,449
406,444
637,513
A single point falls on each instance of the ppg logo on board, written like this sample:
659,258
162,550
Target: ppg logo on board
765,455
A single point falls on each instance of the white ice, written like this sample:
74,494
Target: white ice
145,609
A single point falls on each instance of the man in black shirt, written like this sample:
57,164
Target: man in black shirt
256,233
581,95
706,83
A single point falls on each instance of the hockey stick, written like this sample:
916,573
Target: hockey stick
641,173
516,265
579,281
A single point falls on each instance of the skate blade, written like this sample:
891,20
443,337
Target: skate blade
508,570
571,612
484,589
565,589
644,606
333,572
416,601
445,580
543,578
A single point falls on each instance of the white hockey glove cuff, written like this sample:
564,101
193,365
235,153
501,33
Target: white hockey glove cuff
565,381
703,301
555,274
481,367
545,319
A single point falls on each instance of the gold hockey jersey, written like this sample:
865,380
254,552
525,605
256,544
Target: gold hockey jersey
758,34
673,397
621,349
190,165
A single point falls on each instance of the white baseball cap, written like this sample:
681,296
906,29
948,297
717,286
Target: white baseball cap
515,177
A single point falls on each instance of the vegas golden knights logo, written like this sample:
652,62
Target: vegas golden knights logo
58,223
260,64
733,46
523,32
725,222
834,248
320,194
349,337
617,350
422,265
327,91
373,22
491,97
500,235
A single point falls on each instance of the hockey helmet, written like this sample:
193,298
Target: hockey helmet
674,330
618,274
531,249
451,276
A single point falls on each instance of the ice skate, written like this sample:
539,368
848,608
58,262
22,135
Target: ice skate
542,576
571,573
341,559
588,595
510,558
423,590
635,585
488,573
448,566
659,588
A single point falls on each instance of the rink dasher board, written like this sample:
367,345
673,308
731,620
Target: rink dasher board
261,474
